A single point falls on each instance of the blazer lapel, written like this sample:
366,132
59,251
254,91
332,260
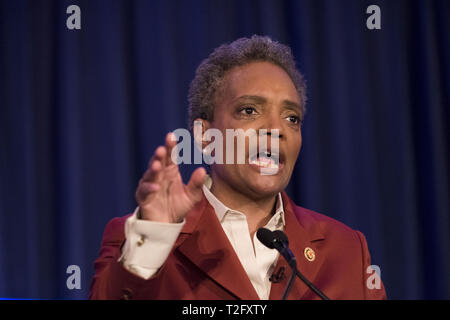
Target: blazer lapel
204,242
301,236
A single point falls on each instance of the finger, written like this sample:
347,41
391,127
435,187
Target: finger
171,142
159,154
155,164
194,186
152,173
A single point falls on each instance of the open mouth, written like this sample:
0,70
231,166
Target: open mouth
267,159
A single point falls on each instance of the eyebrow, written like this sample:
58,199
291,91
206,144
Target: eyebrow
261,100
292,105
257,99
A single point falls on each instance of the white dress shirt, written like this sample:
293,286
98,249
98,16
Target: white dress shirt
149,243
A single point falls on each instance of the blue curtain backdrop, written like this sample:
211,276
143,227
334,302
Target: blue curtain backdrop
81,112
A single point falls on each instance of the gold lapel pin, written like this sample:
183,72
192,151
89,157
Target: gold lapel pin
310,255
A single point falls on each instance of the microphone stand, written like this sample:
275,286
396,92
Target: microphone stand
279,241
310,285
293,265
283,248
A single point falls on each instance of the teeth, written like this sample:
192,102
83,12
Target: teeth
265,162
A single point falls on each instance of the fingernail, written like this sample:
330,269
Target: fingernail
172,137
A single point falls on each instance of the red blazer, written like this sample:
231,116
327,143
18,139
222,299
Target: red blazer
203,264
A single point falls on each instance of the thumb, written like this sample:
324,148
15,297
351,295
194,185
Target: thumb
194,186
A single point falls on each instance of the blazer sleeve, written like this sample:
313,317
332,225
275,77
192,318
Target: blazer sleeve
111,280
373,285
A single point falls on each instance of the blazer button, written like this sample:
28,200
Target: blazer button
127,294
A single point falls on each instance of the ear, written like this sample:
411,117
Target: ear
199,128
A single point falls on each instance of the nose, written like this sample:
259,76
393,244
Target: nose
273,123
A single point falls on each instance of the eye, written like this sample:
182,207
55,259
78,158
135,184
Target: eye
248,111
294,119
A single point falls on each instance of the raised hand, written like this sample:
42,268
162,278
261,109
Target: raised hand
161,194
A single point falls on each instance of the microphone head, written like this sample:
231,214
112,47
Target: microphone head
266,237
279,235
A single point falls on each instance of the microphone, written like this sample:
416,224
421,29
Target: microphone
266,237
279,241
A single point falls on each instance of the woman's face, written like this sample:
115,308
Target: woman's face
258,95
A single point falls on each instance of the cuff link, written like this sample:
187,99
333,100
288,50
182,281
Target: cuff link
141,241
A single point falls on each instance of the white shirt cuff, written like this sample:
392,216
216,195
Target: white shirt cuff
147,244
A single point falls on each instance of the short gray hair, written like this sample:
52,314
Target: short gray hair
211,71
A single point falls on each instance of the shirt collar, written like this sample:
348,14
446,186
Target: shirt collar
221,209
